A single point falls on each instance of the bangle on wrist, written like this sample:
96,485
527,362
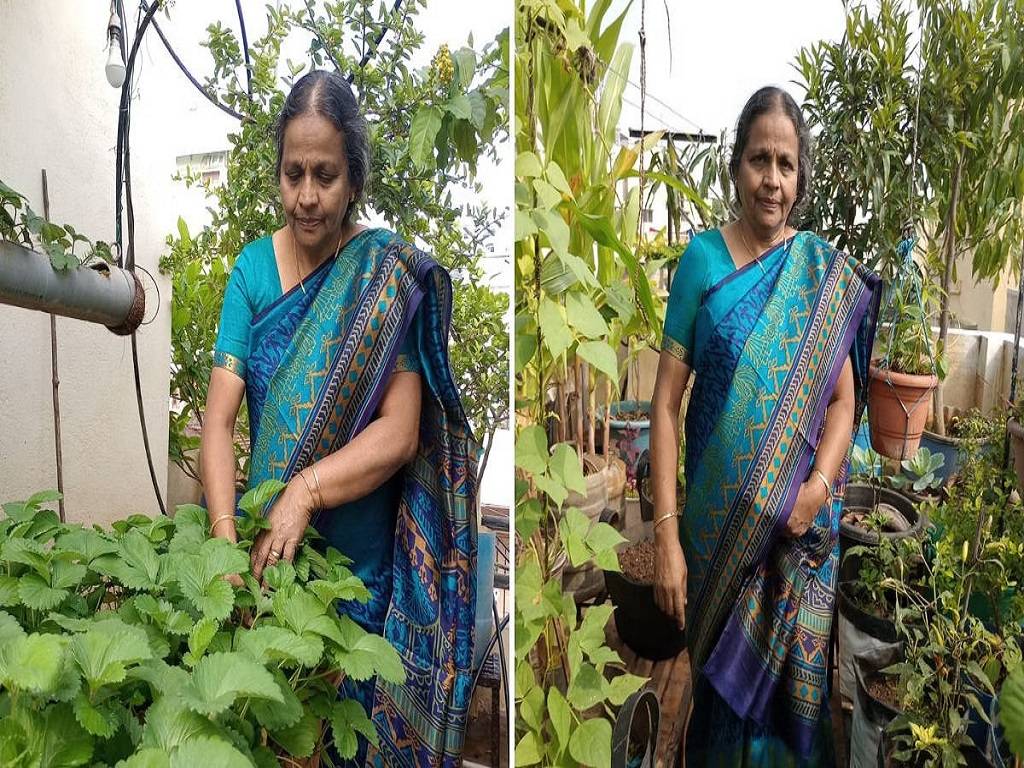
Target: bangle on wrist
225,516
312,498
663,518
826,483
319,490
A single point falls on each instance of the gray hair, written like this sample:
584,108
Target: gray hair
764,101
329,94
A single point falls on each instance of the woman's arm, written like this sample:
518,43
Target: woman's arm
670,571
362,465
217,450
832,448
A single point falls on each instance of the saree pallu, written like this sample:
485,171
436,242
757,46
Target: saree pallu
770,341
314,382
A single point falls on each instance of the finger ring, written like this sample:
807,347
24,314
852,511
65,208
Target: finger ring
274,554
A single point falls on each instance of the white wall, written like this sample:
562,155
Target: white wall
58,112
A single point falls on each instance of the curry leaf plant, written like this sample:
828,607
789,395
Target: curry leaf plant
129,648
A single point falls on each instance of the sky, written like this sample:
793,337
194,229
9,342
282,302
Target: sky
720,53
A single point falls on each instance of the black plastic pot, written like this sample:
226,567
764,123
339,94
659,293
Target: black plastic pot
881,629
867,667
867,497
640,623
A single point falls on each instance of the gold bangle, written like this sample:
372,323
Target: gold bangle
217,519
319,490
824,480
309,490
663,518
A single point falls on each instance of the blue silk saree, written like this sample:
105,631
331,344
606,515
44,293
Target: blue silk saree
767,343
315,365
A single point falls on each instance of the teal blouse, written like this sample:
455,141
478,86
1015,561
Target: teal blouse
363,530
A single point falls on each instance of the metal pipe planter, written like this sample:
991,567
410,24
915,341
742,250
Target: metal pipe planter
101,293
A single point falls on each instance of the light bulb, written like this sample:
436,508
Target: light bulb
115,67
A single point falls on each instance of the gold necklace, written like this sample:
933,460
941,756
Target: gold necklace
756,257
295,256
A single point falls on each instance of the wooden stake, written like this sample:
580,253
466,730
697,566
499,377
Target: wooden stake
560,396
607,420
55,378
591,415
578,370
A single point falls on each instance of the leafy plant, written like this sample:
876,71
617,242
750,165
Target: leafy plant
428,130
865,464
129,646
20,224
919,472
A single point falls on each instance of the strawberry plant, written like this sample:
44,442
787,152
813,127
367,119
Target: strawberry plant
130,648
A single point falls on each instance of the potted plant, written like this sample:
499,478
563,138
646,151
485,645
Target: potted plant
903,379
967,435
640,622
920,477
130,645
630,429
877,702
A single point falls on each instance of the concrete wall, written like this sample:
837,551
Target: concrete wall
58,112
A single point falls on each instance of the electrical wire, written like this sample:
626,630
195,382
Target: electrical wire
245,48
368,53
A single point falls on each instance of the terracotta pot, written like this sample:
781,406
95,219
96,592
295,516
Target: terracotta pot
1016,431
897,413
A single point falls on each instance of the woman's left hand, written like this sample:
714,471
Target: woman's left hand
809,499
288,519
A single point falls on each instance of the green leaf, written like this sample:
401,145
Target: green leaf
583,315
299,739
220,678
557,178
600,355
214,598
37,594
524,225
554,327
532,450
99,721
591,742
603,536
274,715
32,663
280,575
527,750
64,742
585,690
561,716
459,106
170,723
554,228
201,636
622,687
370,654
140,554
477,109
150,757
528,166
347,588
208,751
269,643
103,651
423,134
1011,711
9,591
255,500
163,679
10,629
565,468
547,195
347,719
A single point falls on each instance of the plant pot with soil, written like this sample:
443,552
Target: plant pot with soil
640,622
896,514
967,435
876,702
629,424
898,407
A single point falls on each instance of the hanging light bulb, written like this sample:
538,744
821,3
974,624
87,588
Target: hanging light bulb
115,62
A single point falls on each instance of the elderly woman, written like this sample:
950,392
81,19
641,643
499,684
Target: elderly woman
336,334
776,325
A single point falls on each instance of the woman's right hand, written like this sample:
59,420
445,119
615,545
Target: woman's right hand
670,578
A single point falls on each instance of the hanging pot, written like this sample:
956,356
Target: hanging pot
898,406
1016,431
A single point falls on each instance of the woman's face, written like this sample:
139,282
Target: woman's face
767,177
315,188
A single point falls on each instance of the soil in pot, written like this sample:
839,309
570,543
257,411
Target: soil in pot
898,407
884,689
637,562
640,622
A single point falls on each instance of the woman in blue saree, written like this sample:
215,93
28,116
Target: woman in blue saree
775,325
336,334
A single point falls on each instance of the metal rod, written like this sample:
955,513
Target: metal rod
100,294
55,377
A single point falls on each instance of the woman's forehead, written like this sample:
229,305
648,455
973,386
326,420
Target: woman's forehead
313,138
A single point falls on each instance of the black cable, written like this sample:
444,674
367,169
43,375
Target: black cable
199,86
245,48
142,422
